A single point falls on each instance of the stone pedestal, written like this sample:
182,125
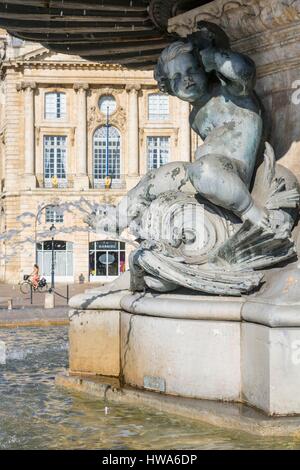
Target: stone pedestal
271,368
49,300
95,343
212,348
205,359
188,358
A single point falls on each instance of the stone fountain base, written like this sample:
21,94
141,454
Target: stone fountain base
226,415
242,350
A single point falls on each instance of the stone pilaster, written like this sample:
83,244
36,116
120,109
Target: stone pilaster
185,133
11,131
81,180
133,129
28,88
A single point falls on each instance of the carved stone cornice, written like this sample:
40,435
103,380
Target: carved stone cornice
133,87
81,87
96,118
239,18
31,86
110,91
48,65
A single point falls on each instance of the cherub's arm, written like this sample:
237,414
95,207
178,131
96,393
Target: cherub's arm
235,71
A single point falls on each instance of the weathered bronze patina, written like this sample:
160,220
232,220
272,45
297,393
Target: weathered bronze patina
204,225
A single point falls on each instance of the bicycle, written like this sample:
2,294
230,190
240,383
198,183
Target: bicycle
26,285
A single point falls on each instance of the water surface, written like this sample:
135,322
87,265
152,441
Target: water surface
35,414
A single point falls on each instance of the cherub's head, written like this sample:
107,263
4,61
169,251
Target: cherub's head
179,73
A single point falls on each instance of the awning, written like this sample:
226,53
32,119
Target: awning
127,32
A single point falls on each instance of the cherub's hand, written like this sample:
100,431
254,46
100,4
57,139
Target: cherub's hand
208,58
209,35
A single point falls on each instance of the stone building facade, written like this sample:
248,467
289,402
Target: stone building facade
54,152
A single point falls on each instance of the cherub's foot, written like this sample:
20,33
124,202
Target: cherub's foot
264,221
259,216
276,221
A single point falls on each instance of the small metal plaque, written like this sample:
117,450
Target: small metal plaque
157,384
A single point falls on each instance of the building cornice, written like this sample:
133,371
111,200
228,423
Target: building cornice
29,85
60,65
239,18
81,86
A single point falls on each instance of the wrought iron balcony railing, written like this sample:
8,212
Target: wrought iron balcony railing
58,183
55,116
115,183
69,182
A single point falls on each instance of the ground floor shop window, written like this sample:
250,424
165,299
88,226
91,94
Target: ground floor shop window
63,259
107,259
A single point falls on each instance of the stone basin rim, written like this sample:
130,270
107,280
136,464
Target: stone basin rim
178,307
195,307
232,416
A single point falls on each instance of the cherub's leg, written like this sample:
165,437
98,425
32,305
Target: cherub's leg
170,177
218,179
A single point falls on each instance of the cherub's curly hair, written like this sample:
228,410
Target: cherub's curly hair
161,70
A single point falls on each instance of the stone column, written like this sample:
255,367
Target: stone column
29,181
81,180
185,132
133,130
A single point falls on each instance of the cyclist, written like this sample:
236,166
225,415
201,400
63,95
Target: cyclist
35,276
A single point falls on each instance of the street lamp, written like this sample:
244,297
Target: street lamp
52,230
108,179
41,209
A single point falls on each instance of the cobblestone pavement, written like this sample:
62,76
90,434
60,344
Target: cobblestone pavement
26,314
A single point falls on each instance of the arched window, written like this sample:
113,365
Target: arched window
158,107
107,163
55,105
107,259
107,104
